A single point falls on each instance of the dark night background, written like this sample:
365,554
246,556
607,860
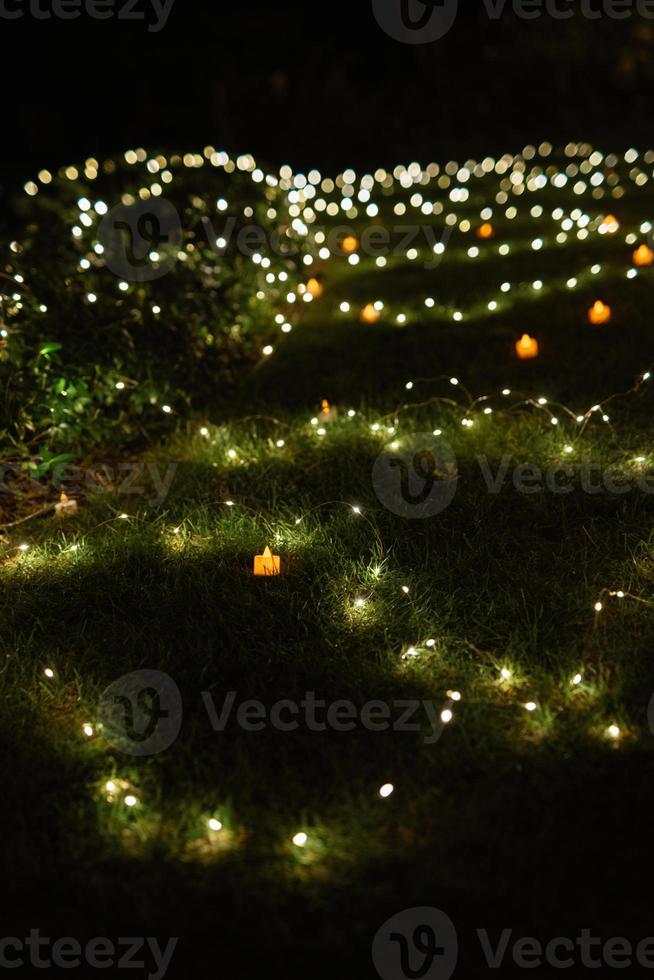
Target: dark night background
318,85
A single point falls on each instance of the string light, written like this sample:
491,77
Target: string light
531,180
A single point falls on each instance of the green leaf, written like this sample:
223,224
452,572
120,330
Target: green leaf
49,348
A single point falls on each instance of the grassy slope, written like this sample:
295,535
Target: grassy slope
535,822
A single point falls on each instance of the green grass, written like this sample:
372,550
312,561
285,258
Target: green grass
539,822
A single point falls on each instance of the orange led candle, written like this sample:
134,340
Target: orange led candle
315,288
527,347
267,563
485,231
599,313
349,244
327,412
369,314
643,256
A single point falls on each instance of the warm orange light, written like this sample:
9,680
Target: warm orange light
599,313
327,412
643,256
486,230
315,288
349,244
611,224
369,314
65,507
267,563
527,347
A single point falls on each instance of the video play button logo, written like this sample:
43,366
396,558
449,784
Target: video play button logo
417,944
415,21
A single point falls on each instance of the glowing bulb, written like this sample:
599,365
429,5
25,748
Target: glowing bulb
215,825
386,790
300,839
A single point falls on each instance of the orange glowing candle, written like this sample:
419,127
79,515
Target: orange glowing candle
643,256
267,563
369,314
599,313
315,288
527,347
349,244
486,230
327,412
